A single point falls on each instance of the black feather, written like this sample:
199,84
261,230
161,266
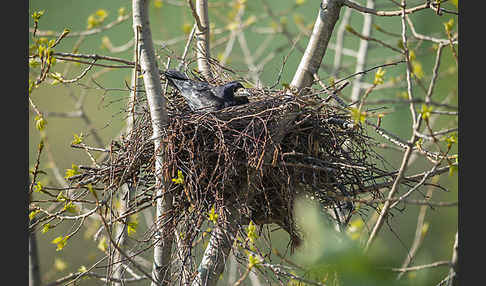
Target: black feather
201,96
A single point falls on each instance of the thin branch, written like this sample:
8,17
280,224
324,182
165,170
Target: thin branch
419,236
421,267
453,272
83,33
362,9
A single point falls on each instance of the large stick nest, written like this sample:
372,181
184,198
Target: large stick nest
259,157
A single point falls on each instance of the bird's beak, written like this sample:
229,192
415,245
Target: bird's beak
242,92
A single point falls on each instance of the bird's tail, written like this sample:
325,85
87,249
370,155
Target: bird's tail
173,74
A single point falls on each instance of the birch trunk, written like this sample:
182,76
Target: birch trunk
158,114
126,192
202,39
316,48
362,52
217,251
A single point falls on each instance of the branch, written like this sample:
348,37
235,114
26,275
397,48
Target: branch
419,236
420,267
453,272
316,48
362,9
82,33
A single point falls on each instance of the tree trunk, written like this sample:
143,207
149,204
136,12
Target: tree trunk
362,52
202,39
158,114
317,46
217,251
126,191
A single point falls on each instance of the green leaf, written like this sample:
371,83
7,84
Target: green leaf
180,178
426,111
37,15
60,197
417,69
213,216
72,172
449,25
33,213
380,73
33,63
158,3
253,260
97,18
251,232
453,169
186,28
60,241
40,123
38,187
70,207
102,245
357,115
452,139
122,11
132,227
46,228
77,139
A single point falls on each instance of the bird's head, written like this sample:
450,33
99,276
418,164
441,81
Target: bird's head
234,86
229,94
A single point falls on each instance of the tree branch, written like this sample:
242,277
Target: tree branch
316,48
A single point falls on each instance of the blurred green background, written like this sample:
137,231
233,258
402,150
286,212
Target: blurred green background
105,109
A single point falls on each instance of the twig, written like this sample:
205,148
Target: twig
362,9
421,267
83,33
419,235
186,47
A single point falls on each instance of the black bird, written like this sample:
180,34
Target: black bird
201,96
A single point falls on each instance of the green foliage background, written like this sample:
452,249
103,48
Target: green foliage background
106,112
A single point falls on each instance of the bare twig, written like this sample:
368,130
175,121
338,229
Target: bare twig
362,9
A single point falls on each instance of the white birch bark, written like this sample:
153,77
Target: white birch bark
125,190
217,251
316,48
363,51
158,114
202,39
